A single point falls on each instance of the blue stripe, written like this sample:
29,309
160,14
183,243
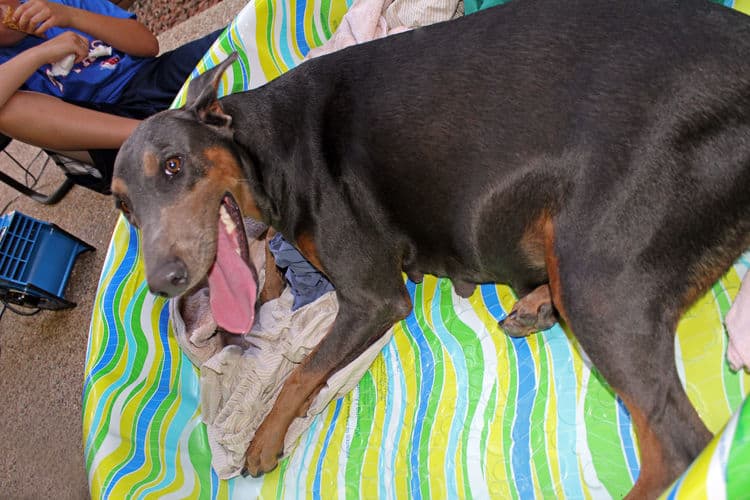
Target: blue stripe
215,483
110,320
286,52
676,488
300,28
395,374
113,326
189,393
492,301
427,362
324,449
566,389
628,446
110,315
308,449
458,358
144,421
521,447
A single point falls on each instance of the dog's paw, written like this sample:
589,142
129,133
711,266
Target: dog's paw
263,454
528,317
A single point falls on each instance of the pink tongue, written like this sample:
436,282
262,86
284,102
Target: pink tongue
232,287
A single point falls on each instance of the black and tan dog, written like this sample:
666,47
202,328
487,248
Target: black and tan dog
593,152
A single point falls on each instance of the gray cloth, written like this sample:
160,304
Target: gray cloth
307,282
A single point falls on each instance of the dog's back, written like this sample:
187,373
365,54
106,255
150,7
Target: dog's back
535,101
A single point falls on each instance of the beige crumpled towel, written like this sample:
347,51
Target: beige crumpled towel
239,383
370,19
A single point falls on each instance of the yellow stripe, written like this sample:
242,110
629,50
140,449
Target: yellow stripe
265,52
699,334
497,478
407,358
338,9
438,442
695,481
550,426
330,470
309,24
742,6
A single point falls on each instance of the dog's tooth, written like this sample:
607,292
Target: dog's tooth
226,219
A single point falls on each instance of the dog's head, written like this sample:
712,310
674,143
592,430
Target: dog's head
179,178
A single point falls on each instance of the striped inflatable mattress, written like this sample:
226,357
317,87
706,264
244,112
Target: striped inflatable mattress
451,408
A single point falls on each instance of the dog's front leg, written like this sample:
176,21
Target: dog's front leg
358,324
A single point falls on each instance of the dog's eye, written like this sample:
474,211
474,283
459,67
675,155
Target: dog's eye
172,166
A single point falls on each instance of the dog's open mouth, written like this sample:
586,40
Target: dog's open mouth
232,285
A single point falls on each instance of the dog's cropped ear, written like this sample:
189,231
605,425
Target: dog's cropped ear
202,95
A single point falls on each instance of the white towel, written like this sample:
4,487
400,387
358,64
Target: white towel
239,383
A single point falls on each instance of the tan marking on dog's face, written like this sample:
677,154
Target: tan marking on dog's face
226,169
150,164
119,187
188,228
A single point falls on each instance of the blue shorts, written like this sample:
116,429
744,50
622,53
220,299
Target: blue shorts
152,90
156,84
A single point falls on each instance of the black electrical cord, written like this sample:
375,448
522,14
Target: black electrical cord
20,312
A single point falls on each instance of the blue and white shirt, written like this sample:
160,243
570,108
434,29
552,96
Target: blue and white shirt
96,81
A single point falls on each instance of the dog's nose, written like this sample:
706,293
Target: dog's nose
169,279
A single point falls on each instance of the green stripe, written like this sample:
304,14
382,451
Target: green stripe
365,417
603,438
284,465
141,349
197,445
474,358
93,358
325,12
738,480
156,422
538,437
103,427
316,37
489,418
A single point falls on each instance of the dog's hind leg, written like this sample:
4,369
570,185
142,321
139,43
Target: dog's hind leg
624,328
364,316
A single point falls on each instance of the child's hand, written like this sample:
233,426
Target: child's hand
37,16
62,45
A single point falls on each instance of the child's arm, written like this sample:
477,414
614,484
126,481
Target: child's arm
51,123
15,71
127,35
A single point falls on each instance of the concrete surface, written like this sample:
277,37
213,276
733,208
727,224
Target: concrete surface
42,356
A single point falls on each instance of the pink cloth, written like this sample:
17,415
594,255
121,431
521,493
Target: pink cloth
371,19
738,328
363,22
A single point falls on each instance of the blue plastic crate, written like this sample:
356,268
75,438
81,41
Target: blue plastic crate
36,259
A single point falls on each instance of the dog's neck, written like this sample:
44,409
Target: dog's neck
267,127
266,123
